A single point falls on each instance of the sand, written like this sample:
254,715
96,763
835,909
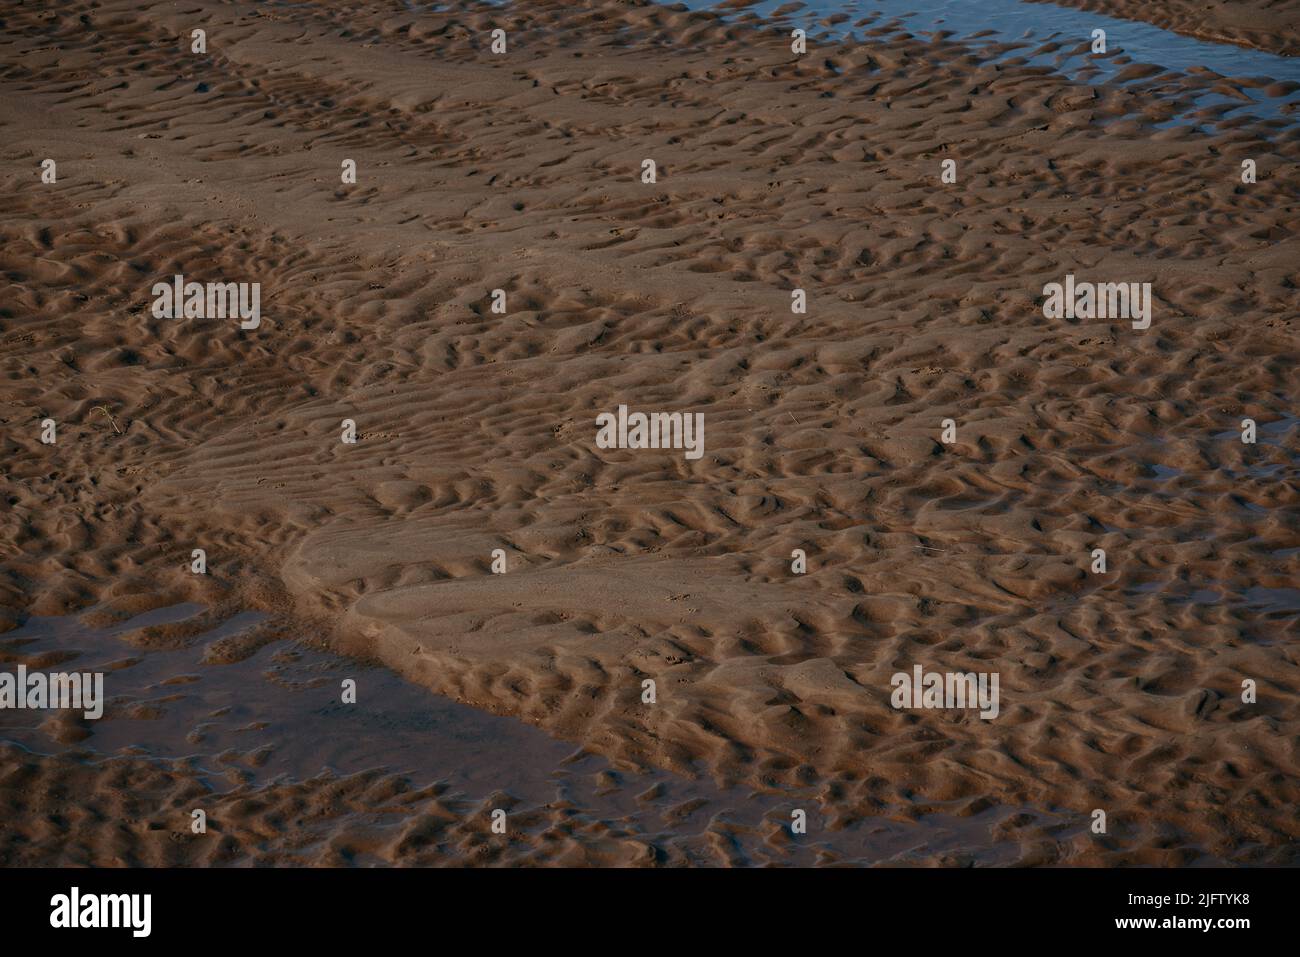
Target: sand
1272,25
476,430
245,724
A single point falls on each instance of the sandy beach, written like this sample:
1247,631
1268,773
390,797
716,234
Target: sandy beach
499,274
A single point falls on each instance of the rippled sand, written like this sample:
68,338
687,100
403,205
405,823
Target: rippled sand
1120,691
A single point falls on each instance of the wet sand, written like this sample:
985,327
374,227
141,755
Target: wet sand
249,726
1272,25
476,432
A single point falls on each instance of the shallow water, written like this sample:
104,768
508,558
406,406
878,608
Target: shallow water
1038,28
277,715
1043,34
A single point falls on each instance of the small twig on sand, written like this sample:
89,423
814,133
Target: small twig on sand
104,409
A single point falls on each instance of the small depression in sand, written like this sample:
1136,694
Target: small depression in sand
247,715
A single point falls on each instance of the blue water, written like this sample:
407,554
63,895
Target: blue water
1048,35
